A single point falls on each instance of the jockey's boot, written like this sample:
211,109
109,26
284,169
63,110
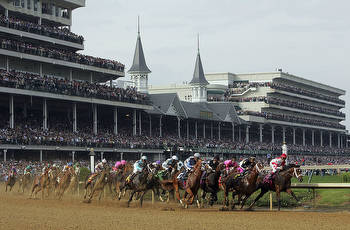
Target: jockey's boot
130,177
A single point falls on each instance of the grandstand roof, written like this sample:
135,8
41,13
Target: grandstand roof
170,104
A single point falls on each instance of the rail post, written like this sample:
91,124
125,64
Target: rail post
270,201
314,197
152,197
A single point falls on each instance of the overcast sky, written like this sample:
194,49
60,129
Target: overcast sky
310,39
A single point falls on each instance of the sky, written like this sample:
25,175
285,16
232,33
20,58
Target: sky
310,39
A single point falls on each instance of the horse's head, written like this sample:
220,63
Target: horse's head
298,173
259,167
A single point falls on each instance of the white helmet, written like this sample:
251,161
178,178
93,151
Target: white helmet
144,158
175,158
54,165
197,155
104,161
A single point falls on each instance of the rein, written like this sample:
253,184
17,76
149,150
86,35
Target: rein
295,173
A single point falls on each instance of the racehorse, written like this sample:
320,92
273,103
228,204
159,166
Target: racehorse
64,182
74,182
24,182
99,185
40,183
11,181
143,182
281,182
211,184
193,183
55,176
242,185
120,180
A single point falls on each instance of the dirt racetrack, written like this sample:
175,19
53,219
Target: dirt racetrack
18,212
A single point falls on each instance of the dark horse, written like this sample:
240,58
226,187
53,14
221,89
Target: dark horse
142,182
11,181
242,185
193,183
211,183
281,182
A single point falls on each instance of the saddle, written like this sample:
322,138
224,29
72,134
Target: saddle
268,179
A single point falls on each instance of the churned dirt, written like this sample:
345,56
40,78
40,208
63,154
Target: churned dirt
19,212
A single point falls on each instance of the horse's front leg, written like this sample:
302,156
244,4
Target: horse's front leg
130,198
262,192
290,192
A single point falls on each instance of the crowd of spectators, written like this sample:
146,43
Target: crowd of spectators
297,90
241,87
31,81
303,106
293,119
46,30
60,54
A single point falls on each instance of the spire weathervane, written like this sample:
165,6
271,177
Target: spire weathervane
138,24
198,42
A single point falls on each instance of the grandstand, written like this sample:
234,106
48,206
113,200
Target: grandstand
59,104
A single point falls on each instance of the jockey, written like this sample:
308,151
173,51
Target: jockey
100,166
68,165
28,170
138,167
277,164
13,171
247,163
213,164
46,168
189,164
229,166
76,168
117,166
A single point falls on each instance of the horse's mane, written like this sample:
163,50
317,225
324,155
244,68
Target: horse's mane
198,164
289,166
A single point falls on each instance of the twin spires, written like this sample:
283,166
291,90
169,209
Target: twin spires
198,75
139,65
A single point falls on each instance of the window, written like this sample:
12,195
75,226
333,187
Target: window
36,5
22,3
206,115
16,3
57,11
29,4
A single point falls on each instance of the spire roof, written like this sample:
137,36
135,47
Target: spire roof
139,63
198,75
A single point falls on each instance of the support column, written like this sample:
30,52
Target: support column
5,155
179,127
283,134
160,126
321,138
7,63
313,137
188,130
75,129
39,20
338,140
71,75
219,130
196,129
211,130
150,125
111,83
91,81
41,69
41,155
115,120
272,134
239,134
45,114
73,156
12,113
247,134
204,130
330,139
6,13
134,123
140,123
304,137
261,127
233,132
121,156
95,119
102,153
294,140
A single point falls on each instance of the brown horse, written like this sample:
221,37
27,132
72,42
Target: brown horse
24,182
64,182
243,185
120,180
74,182
99,185
211,183
280,183
11,181
193,183
40,183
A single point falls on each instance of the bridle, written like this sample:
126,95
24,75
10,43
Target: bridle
257,168
296,174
